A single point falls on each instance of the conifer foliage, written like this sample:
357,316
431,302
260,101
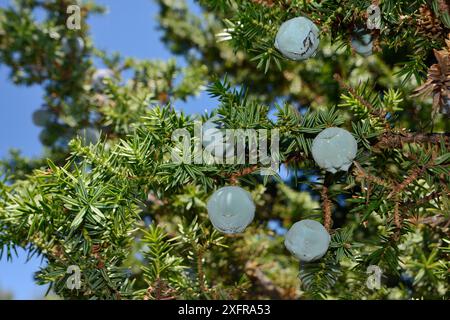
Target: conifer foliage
108,198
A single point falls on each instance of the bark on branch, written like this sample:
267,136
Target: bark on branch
264,283
396,140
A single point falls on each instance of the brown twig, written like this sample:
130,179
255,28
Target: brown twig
326,207
428,198
398,221
372,110
160,291
444,7
266,3
397,215
326,204
200,273
270,289
396,189
96,253
396,140
246,171
415,173
361,173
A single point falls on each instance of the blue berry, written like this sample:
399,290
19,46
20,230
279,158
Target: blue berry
307,240
231,209
297,38
334,149
362,43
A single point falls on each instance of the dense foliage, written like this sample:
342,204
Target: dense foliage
136,223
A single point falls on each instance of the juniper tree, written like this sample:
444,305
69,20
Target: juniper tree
108,198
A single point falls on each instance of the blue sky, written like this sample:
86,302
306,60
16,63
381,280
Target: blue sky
127,28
